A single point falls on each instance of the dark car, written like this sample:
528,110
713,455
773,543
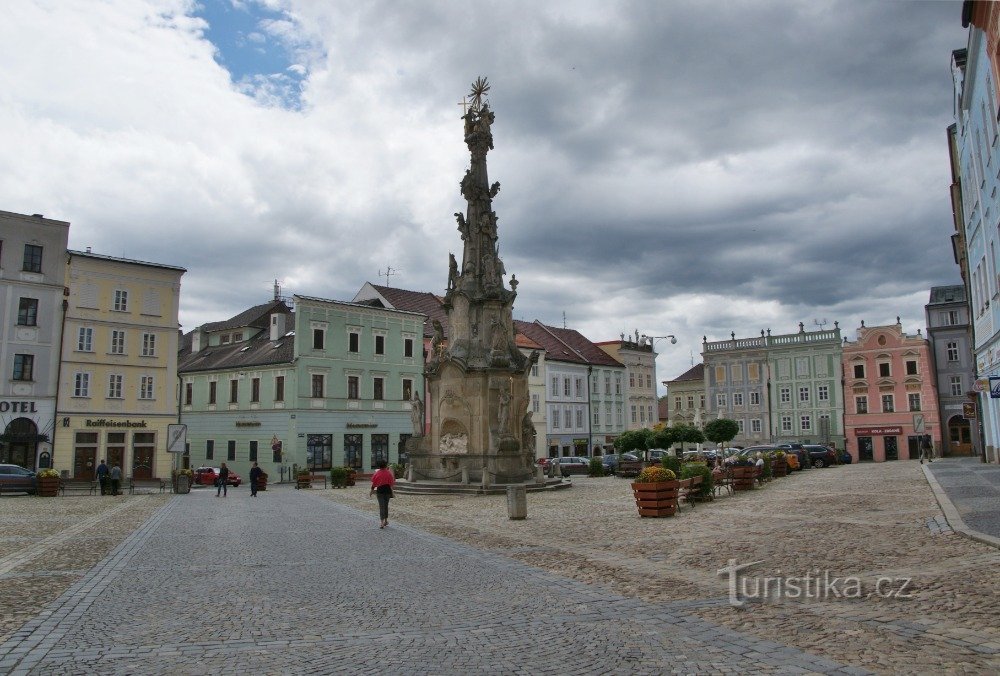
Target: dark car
206,476
610,461
572,464
16,479
820,456
800,453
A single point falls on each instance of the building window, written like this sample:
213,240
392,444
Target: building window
149,345
115,381
859,370
649,381
823,393
642,415
319,451
554,391
27,312
279,388
631,379
318,335
956,386
786,395
188,393
635,417
649,410
753,371
737,398
720,374
884,370
887,404
579,388
597,417
408,389
224,339
352,450
555,417
354,343
952,351
579,417
861,404
81,385
952,317
739,426
378,388
534,370
618,383
786,423
317,386
566,387
535,403
352,387
255,390
914,401
677,403
736,373
210,449
911,367
701,400
24,366
121,300
755,425
380,449
755,398
380,349
146,387
117,342
690,402
234,391
803,394
253,451
621,415
607,383
32,258
408,348
85,339
211,392
230,450
720,400
806,423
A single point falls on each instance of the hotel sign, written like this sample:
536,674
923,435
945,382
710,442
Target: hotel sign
878,431
17,407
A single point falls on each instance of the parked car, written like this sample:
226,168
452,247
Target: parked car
800,453
206,476
14,478
572,464
656,454
610,461
820,456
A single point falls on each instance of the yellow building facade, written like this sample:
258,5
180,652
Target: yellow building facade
118,372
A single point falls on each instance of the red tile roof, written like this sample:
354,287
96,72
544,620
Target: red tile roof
696,372
566,345
416,301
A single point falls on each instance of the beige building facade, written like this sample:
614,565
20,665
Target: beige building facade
640,365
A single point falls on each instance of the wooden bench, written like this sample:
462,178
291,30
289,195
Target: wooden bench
143,484
690,492
630,468
304,481
78,486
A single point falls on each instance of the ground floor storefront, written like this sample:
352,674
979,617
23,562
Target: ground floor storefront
886,443
988,406
283,442
565,445
26,431
134,443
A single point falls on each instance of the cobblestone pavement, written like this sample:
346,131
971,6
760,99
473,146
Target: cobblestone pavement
973,488
293,582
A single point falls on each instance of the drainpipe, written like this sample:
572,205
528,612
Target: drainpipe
62,333
590,418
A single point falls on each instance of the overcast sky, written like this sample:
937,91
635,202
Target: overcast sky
673,167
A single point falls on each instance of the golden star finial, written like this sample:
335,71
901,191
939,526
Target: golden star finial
479,89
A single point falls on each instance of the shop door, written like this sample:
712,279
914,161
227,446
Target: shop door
20,449
959,437
891,448
913,446
143,448
84,466
352,451
866,451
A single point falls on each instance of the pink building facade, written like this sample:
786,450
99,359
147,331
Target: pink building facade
890,397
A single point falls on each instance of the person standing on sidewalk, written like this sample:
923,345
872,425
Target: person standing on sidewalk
382,482
102,477
223,479
255,473
116,479
926,450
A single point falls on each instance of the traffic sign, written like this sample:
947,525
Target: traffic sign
918,423
176,438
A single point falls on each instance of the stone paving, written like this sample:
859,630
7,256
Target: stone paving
974,490
305,582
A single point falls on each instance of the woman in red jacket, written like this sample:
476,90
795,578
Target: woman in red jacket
382,482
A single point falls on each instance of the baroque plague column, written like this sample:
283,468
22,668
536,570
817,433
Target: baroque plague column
480,420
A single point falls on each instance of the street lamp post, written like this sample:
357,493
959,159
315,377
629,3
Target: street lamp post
652,345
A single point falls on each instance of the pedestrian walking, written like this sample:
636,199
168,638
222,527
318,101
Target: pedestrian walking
926,449
382,482
102,477
116,480
223,479
255,473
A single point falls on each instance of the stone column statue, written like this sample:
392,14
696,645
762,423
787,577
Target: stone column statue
417,415
503,412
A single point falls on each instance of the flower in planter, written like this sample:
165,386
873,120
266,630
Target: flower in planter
655,474
47,474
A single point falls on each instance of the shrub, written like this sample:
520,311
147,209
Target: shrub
338,477
693,469
596,467
398,470
672,463
766,469
654,474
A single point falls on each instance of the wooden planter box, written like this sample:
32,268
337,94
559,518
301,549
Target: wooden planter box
48,487
779,468
743,478
656,499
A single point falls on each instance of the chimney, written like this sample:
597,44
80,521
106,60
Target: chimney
277,326
197,338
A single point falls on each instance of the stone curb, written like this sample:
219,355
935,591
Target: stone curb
951,512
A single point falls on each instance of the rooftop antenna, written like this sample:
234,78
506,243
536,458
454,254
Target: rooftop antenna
691,352
564,319
277,290
820,323
389,272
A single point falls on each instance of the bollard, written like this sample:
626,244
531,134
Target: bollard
183,483
539,475
465,476
517,502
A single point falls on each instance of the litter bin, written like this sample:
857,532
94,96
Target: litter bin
517,502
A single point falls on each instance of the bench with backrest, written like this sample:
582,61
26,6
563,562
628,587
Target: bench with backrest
307,480
146,484
690,492
78,486
629,468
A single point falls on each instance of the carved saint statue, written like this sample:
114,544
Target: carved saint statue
452,271
503,411
468,186
498,342
489,271
437,342
494,189
463,227
528,433
417,415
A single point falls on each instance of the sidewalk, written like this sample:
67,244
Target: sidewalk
969,494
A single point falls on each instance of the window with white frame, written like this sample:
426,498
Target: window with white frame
913,399
566,391
642,415
720,400
737,398
567,417
121,300
149,345
535,404
805,423
861,403
81,384
631,378
649,410
690,402
115,381
621,415
554,390
911,367
354,340
739,426
607,383
85,339
534,370
635,414
952,351
786,423
823,393
888,404
117,342
607,415
597,417
755,425
677,403
579,417
146,387
755,398
618,383
579,387
803,394
555,417
955,384
786,394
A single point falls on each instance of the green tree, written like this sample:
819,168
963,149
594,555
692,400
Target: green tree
721,431
634,440
689,434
